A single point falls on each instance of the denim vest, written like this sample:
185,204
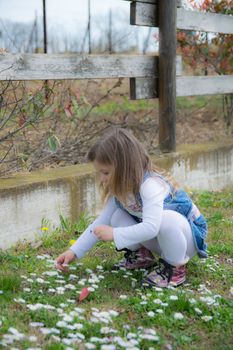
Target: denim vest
178,200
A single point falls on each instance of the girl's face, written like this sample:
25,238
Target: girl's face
104,171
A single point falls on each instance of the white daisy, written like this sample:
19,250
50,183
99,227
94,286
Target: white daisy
178,316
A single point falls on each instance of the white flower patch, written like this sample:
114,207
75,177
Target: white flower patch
68,318
60,290
173,297
36,324
60,281
131,335
90,289
164,304
144,302
159,311
51,290
178,316
198,311
38,306
157,301
123,296
82,282
192,301
40,280
90,346
78,325
150,314
51,273
99,267
32,338
107,330
113,313
108,347
231,291
207,300
70,286
61,324
206,318
30,280
27,290
89,271
149,337
19,300
46,331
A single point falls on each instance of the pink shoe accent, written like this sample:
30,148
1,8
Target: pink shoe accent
165,275
140,259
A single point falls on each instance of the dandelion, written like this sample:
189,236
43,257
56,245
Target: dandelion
178,316
72,241
44,228
206,318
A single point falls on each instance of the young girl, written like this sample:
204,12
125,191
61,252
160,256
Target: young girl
144,213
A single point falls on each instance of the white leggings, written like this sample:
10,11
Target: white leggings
174,242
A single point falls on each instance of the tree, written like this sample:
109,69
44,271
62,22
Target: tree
213,52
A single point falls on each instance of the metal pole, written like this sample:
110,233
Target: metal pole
89,26
44,26
167,75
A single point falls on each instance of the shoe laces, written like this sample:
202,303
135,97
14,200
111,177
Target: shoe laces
165,270
131,256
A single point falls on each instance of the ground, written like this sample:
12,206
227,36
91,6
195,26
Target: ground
40,307
61,128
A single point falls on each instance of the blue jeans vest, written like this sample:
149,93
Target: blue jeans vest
179,200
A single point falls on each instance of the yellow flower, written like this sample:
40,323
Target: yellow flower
44,228
72,241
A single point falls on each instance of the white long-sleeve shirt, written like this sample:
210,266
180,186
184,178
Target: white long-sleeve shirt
152,192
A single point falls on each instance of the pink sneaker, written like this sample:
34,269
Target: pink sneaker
165,275
140,259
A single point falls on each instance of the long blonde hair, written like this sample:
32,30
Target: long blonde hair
121,150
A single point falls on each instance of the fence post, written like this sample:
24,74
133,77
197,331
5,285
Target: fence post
167,75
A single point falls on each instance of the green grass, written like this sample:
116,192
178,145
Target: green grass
29,294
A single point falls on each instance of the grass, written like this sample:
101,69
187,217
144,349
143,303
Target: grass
40,309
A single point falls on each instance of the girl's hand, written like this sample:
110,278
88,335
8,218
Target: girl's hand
104,232
63,260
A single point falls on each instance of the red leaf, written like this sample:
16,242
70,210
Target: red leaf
84,294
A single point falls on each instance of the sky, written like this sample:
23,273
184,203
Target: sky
65,12
70,17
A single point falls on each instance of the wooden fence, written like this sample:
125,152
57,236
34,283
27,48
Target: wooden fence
150,76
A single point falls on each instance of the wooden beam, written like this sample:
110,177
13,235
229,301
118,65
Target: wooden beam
206,22
73,66
167,75
142,14
146,88
143,88
178,2
145,14
204,85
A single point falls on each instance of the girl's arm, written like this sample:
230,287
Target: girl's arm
87,239
152,193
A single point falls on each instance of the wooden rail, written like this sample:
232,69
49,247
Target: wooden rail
150,76
72,66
